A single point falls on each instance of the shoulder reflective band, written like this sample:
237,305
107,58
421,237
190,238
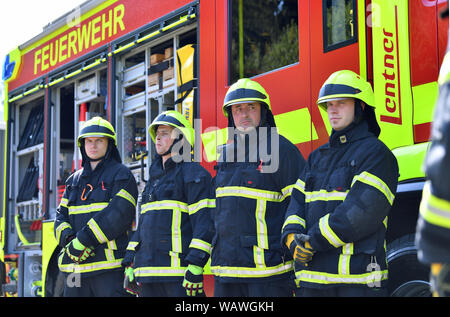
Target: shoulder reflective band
337,89
374,181
243,93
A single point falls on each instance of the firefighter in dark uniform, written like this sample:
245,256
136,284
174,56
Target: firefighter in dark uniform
336,222
95,215
172,243
256,173
433,228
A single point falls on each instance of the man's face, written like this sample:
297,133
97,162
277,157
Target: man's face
246,115
95,147
163,139
341,113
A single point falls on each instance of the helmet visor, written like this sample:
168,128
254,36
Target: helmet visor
337,89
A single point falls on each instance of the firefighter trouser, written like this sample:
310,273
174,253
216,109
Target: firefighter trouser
341,291
281,288
173,289
108,284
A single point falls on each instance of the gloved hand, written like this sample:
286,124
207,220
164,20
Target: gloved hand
300,248
77,252
193,280
129,283
129,273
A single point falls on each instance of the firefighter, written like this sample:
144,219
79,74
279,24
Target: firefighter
95,215
433,226
336,222
172,243
256,172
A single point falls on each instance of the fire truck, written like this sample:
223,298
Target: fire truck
129,60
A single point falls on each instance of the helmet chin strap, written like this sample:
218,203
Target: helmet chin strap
180,137
359,112
263,122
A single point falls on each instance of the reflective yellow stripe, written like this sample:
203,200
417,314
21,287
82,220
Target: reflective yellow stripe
261,225
177,208
61,228
204,203
201,245
294,219
252,272
88,267
247,192
132,245
165,204
126,195
176,238
369,278
261,233
344,259
64,202
109,254
372,180
328,233
300,186
258,256
159,271
101,237
433,209
84,209
325,195
112,244
287,191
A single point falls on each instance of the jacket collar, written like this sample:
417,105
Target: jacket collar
167,166
350,134
87,170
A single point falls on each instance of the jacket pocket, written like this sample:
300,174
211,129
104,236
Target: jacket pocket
223,178
267,253
164,243
340,180
252,178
